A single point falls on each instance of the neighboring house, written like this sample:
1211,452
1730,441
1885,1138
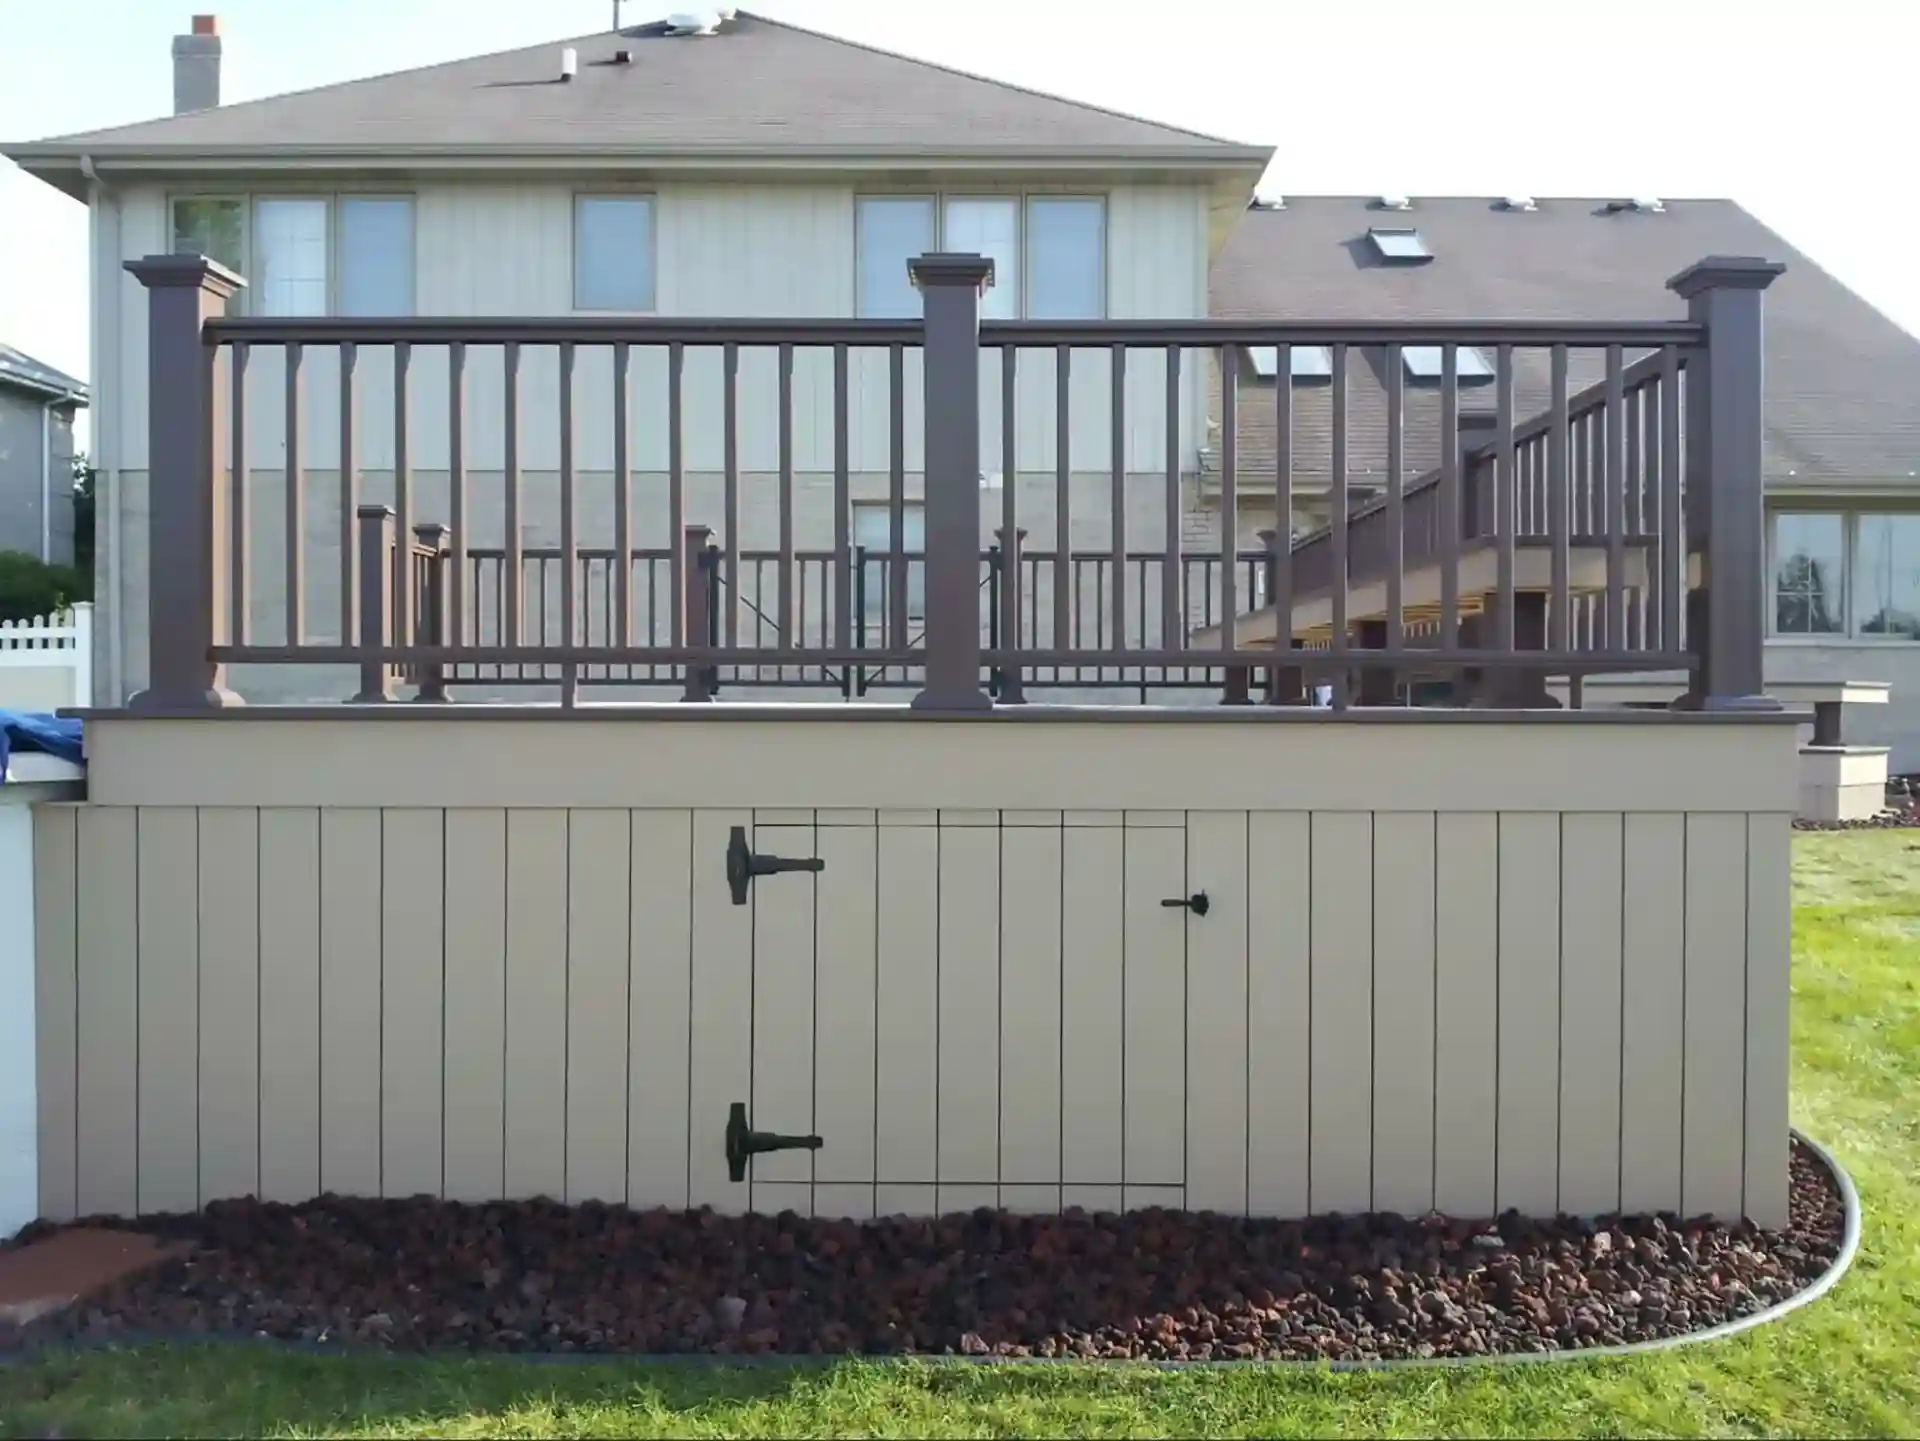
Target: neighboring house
1842,390
762,171
37,407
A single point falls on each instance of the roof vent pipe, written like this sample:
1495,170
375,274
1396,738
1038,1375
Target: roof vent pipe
196,67
569,63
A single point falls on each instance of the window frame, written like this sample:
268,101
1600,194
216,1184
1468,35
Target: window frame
1850,517
1020,199
573,248
243,302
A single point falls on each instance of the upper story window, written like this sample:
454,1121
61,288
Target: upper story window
1845,573
613,252
307,254
1048,252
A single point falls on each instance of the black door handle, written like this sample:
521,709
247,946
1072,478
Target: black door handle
743,865
744,1144
1197,903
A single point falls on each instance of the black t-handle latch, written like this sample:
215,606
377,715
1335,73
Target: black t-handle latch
743,865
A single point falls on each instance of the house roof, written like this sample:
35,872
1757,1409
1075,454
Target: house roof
758,87
1842,380
21,371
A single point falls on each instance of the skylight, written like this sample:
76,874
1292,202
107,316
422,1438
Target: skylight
1401,246
1425,362
1308,362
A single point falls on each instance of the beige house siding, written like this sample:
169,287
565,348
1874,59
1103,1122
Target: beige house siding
487,958
723,249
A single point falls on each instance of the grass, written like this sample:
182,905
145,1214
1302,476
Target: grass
1849,1366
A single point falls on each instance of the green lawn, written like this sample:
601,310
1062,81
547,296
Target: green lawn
1848,1366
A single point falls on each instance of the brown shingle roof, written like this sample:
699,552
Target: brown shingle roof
1843,381
759,86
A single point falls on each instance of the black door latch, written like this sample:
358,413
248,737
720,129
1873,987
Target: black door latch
744,1144
1197,903
743,865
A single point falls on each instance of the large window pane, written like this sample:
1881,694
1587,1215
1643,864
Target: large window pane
376,255
1886,580
1808,582
613,252
990,228
891,232
873,532
290,257
1066,259
213,227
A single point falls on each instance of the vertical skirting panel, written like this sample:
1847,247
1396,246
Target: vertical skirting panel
290,1011
1279,1011
845,977
1466,1012
1031,1013
1652,1035
168,950
1591,914
1217,1015
598,869
659,1013
1769,997
473,1122
968,1112
1713,1119
231,1013
1527,1148
1154,987
413,964
1340,1043
1404,1016
350,994
1092,1078
783,1016
56,1006
720,1031
107,1096
536,1055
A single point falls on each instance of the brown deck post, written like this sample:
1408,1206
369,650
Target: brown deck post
1012,691
188,539
950,287
1725,512
377,580
696,607
430,619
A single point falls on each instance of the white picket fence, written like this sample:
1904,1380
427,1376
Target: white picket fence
47,663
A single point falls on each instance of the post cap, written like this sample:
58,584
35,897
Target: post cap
944,268
1725,272
166,272
373,511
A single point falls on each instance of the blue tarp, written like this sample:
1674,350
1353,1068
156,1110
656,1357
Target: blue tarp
37,731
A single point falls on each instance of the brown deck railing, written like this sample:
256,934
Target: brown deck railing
419,602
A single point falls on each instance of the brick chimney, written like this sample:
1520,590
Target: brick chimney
196,66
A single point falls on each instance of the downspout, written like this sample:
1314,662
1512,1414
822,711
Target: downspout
105,444
46,482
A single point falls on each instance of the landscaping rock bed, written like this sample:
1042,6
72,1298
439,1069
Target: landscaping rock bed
1152,1285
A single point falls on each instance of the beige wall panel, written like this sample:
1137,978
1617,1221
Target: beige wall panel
1217,1019
598,912
350,963
783,908
413,1015
845,954
476,1015
1653,994
1403,1011
56,1005
1527,1161
108,1019
1279,1006
908,1007
290,1010
168,959
230,1003
1466,949
1341,1013
969,990
1093,988
1769,1000
1154,985
536,1048
1714,1012
720,1066
1592,860
659,1015
1030,1012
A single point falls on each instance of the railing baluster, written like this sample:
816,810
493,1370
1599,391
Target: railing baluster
512,600
349,492
296,499
1503,496
1337,513
1281,587
569,540
1173,631
1064,601
432,620
1450,516
1558,520
1673,536
730,423
785,633
841,564
375,539
894,632
1229,493
454,631
1615,495
1012,686
237,468
1117,458
620,570
1396,501
402,479
1010,533
695,602
676,501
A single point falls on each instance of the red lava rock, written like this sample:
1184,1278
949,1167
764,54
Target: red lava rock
408,1275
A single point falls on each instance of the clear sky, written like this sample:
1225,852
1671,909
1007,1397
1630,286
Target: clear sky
1802,110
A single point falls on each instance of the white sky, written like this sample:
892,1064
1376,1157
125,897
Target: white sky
1802,110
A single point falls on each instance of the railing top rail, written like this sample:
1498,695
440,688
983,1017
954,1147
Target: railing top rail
700,330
